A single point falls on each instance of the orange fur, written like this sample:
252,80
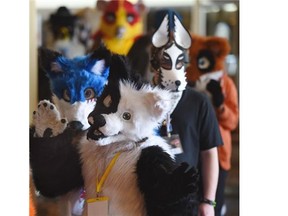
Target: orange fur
229,114
32,198
219,47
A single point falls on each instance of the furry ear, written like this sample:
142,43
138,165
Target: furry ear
101,5
181,35
219,46
102,53
161,36
99,61
160,102
47,60
140,7
98,67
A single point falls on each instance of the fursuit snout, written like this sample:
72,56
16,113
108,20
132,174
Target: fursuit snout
103,126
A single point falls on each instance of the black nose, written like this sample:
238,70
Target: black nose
177,83
75,125
99,121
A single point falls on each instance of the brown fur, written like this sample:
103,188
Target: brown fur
219,46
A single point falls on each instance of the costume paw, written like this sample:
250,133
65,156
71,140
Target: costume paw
47,120
184,180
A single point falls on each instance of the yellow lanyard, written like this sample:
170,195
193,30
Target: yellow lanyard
106,173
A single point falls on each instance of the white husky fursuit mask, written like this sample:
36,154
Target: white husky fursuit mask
169,52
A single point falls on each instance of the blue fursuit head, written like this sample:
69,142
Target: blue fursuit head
75,84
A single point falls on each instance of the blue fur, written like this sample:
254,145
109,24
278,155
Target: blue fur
76,76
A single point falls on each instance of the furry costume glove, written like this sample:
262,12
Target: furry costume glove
215,89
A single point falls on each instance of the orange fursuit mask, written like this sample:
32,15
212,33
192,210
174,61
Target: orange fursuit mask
207,55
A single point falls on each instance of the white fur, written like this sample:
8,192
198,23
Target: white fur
75,112
161,36
182,36
148,108
98,67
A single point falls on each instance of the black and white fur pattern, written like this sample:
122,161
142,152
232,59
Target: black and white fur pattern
48,123
130,130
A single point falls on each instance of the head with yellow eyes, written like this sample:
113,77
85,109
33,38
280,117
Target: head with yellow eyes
169,51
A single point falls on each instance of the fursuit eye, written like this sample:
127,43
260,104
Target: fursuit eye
180,62
89,93
166,62
110,17
203,63
66,95
130,18
126,116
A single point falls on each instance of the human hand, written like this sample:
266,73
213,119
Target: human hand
206,210
215,89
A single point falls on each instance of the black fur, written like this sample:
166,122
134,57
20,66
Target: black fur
139,55
215,89
45,57
55,163
167,188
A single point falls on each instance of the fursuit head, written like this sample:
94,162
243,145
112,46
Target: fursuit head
144,173
169,55
75,84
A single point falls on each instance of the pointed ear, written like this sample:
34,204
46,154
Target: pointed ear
219,46
98,67
181,34
99,61
161,36
140,7
102,53
160,102
47,60
101,5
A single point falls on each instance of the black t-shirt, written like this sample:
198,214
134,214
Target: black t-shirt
195,121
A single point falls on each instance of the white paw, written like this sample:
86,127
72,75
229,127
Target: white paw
47,120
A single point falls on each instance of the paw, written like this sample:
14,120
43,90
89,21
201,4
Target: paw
47,120
185,180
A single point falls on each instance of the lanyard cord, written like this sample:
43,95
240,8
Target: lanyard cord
106,173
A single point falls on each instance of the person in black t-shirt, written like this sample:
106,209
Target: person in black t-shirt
192,126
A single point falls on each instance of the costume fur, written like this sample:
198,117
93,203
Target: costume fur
56,167
121,23
144,179
207,74
76,84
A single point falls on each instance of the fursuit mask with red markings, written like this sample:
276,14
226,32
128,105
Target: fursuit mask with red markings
120,25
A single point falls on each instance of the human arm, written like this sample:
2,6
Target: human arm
210,172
